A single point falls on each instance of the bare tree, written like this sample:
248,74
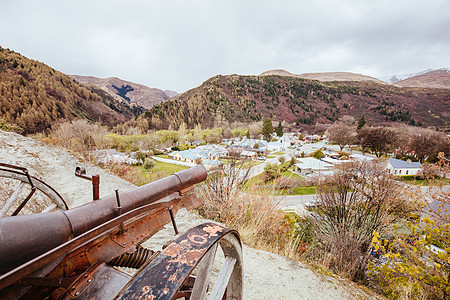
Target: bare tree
358,199
378,139
341,134
429,145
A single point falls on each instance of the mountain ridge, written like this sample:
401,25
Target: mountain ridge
230,98
325,76
35,96
128,91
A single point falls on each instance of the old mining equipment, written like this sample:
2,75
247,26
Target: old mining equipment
60,253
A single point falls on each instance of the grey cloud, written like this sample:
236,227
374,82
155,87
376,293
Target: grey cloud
179,44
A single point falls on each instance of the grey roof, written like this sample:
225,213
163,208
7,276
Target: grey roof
401,164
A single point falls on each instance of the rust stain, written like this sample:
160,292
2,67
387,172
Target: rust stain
197,239
213,229
173,278
146,289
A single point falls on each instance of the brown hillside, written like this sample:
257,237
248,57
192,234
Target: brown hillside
434,79
127,91
253,98
326,76
34,96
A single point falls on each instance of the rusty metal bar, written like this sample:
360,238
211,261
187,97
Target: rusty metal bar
95,179
172,218
39,245
24,202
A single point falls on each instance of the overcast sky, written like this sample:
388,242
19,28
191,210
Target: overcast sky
177,45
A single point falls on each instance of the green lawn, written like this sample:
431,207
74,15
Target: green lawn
423,182
168,168
278,153
302,190
247,164
163,156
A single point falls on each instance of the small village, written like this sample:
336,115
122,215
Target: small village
212,156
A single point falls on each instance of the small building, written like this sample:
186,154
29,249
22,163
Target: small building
195,155
361,158
310,165
212,164
249,154
285,140
401,167
274,146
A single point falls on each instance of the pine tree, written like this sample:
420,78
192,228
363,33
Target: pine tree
361,122
267,129
279,130
248,134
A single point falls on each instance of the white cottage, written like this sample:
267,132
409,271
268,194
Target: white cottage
310,165
401,167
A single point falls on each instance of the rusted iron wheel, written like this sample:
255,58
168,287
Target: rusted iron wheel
186,268
22,193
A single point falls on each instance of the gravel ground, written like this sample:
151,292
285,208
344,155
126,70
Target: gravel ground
266,275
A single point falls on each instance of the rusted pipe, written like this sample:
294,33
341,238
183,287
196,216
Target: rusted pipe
25,237
95,179
95,213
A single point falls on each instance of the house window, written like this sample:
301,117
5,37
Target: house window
406,172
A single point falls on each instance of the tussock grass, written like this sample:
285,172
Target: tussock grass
255,214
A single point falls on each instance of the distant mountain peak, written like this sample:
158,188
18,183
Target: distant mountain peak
128,91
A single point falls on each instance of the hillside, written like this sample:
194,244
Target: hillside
127,91
433,79
326,76
296,100
34,96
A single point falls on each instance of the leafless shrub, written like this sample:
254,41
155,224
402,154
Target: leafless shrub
81,136
254,213
358,199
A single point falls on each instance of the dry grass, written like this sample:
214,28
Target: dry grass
255,214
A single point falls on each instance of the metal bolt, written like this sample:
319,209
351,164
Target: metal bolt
77,293
85,275
73,288
89,280
124,243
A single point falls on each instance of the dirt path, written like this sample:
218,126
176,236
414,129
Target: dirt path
266,275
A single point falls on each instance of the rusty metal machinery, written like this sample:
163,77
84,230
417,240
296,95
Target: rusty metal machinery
74,254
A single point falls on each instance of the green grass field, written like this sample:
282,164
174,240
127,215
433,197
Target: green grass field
423,182
168,168
277,153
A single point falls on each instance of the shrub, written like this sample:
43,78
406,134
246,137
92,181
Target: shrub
272,171
149,163
358,199
318,154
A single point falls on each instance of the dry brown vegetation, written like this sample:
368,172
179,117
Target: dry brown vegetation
34,96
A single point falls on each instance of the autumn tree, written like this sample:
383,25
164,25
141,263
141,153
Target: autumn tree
417,260
267,129
182,133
